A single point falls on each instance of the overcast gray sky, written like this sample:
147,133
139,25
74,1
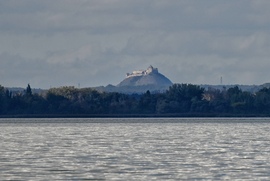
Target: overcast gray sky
55,43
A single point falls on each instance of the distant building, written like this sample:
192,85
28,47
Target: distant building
148,77
149,70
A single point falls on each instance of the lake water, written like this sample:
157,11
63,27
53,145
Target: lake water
135,149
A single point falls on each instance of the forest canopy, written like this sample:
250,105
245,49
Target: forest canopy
178,100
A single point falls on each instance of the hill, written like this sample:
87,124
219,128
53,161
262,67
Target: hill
147,77
139,81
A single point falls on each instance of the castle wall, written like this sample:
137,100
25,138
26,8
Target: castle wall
142,72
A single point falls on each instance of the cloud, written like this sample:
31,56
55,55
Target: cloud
58,42
70,57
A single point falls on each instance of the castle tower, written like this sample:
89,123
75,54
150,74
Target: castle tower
151,69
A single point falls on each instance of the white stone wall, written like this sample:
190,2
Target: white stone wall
149,70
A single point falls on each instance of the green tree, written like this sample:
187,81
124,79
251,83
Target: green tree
262,101
181,96
147,103
240,102
28,90
2,99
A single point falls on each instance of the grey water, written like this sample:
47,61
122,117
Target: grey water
135,149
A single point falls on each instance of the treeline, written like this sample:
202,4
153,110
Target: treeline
179,99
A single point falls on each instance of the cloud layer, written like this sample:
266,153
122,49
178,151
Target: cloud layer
66,42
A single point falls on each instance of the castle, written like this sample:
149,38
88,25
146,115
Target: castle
136,73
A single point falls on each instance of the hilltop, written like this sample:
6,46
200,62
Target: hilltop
150,76
139,81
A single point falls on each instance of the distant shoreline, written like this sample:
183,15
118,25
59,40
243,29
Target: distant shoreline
184,115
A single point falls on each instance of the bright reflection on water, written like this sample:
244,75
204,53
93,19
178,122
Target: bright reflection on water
95,149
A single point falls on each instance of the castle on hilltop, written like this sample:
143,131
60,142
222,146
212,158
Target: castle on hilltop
136,73
149,77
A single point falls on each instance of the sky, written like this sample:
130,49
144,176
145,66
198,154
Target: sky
89,43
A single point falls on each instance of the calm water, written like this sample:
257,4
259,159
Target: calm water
134,149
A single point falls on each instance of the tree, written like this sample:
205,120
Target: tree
147,103
182,96
240,101
28,90
262,100
2,99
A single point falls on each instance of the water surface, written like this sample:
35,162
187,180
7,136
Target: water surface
135,149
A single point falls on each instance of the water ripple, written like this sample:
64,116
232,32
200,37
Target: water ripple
135,151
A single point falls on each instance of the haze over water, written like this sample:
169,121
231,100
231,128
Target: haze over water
135,149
